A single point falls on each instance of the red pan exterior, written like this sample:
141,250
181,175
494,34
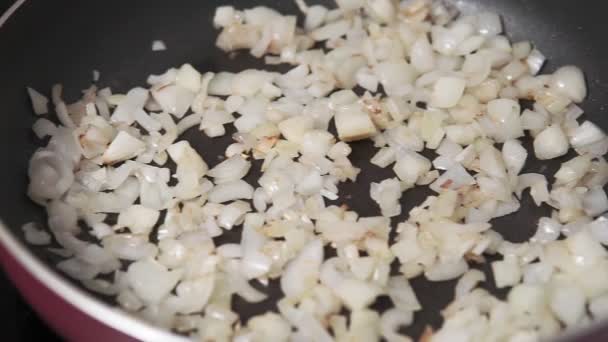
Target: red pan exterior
63,317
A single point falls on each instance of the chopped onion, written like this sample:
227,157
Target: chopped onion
595,202
573,170
135,100
391,321
174,99
568,303
158,45
231,169
50,175
550,143
535,61
489,24
230,191
454,178
422,55
599,229
505,114
353,124
410,166
387,194
506,272
514,156
34,235
447,92
331,30
123,147
39,101
139,219
468,282
151,281
315,15
446,270
570,81
303,272
586,134
548,230
184,239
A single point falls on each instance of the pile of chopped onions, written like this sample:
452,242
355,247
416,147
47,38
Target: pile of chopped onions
451,84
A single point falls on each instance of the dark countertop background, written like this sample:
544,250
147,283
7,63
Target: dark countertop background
23,323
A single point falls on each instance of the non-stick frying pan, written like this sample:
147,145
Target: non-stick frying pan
45,42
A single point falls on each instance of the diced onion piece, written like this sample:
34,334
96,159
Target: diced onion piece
550,143
123,147
568,303
294,128
189,78
302,273
535,61
514,156
599,229
599,307
454,178
410,166
39,102
573,170
422,55
468,282
34,235
442,271
230,191
221,84
447,91
224,15
50,175
158,45
43,128
249,82
584,249
489,24
190,165
586,134
547,230
151,281
254,262
527,298
231,169
174,99
570,81
395,77
315,17
387,194
505,113
391,321
595,202
491,162
135,100
331,30
506,272
353,124
139,219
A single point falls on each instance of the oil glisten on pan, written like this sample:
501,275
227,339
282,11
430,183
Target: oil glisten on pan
358,170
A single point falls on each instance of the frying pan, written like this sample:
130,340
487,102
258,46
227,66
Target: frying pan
45,42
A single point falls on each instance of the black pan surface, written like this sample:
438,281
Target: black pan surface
64,40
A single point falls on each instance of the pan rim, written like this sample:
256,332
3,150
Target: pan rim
10,11
94,308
